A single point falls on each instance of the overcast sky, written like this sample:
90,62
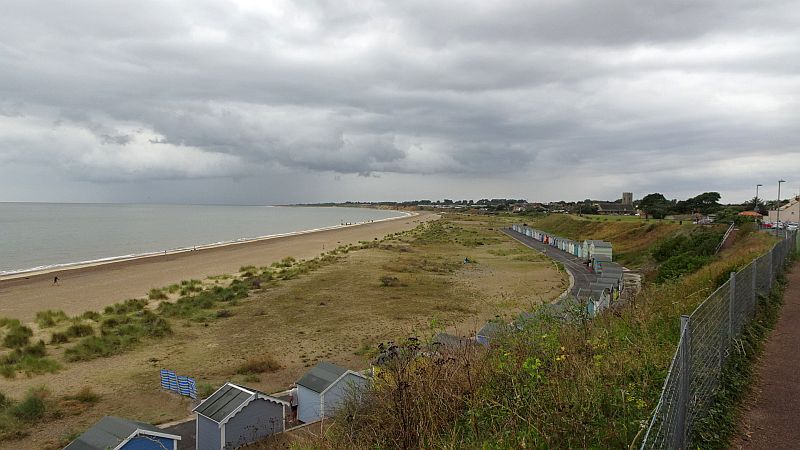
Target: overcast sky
265,102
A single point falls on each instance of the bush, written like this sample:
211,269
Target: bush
91,315
31,408
80,330
204,390
17,336
85,395
263,364
49,318
59,338
157,294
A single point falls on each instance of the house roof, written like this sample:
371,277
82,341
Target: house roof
321,376
490,329
228,399
449,340
112,431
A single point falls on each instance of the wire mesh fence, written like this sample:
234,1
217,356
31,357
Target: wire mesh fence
705,341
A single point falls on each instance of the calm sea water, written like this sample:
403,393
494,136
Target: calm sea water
46,235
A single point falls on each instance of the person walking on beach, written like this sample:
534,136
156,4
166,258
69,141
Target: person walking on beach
55,280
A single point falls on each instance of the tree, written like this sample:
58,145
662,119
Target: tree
707,202
655,205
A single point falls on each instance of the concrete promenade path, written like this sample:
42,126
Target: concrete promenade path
772,418
580,273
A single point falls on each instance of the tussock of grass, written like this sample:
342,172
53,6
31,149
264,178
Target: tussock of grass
17,335
117,333
30,359
85,395
49,318
157,294
261,364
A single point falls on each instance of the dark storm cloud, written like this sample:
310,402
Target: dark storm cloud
563,99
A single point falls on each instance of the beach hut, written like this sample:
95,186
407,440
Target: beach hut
451,341
601,248
234,416
322,389
122,434
489,331
598,261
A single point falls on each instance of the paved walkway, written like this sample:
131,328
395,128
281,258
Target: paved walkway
580,273
772,420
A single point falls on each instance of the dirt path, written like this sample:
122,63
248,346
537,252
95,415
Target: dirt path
771,420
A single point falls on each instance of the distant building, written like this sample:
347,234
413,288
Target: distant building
627,198
620,209
790,212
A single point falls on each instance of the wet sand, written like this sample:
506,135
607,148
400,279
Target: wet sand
94,287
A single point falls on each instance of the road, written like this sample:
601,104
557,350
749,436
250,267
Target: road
580,273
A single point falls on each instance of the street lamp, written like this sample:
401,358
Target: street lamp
755,203
755,206
778,210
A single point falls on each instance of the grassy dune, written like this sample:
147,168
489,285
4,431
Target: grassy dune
586,384
265,325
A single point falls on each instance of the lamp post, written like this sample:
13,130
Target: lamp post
755,205
778,210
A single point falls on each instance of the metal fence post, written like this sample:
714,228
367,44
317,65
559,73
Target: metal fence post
679,434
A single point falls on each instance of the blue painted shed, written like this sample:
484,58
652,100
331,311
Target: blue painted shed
121,434
234,416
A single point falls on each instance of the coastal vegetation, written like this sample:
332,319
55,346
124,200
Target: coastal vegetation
549,384
459,272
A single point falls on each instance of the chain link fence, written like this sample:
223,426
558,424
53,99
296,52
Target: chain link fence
705,341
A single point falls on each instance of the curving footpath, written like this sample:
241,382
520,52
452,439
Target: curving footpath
771,420
581,275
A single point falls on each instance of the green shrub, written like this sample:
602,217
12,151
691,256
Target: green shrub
262,364
79,330
92,347
91,315
31,408
204,390
85,395
157,294
59,338
29,359
49,318
17,336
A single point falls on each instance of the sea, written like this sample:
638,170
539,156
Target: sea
42,236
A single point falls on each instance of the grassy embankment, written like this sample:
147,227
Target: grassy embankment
588,384
337,307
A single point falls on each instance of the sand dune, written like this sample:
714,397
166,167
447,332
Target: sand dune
93,287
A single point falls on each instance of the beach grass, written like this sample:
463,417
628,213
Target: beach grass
331,307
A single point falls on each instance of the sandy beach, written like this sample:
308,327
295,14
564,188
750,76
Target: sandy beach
93,287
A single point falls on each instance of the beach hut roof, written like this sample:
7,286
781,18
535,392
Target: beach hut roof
490,329
602,244
323,375
449,340
113,432
228,400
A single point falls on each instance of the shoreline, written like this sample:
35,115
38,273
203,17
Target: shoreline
95,286
63,267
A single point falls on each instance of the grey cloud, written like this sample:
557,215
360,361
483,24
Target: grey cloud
530,91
